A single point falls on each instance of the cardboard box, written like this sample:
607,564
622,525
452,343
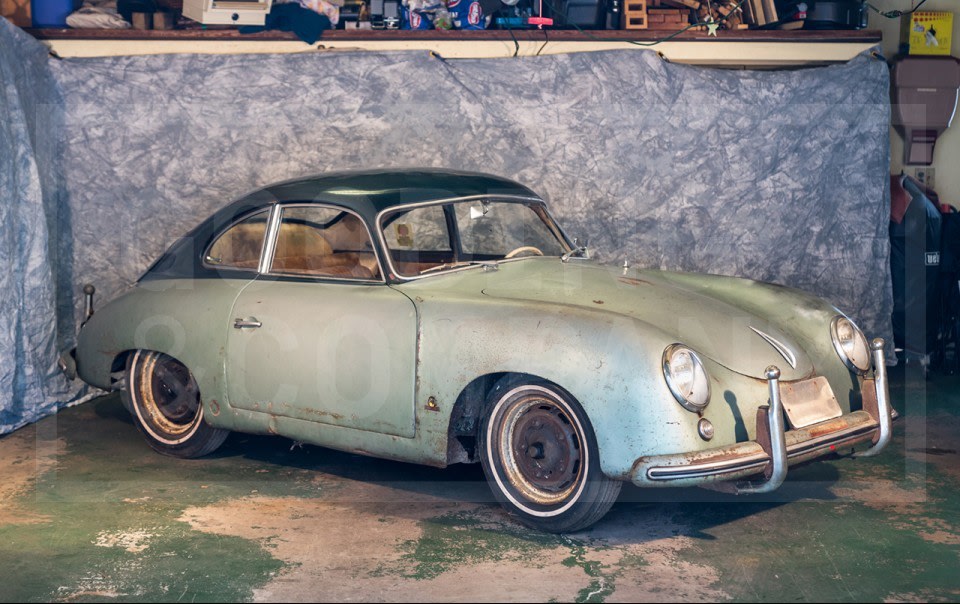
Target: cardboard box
926,33
17,11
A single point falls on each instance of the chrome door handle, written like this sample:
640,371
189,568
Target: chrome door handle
241,323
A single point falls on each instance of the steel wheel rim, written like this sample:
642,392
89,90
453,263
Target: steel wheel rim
542,450
169,395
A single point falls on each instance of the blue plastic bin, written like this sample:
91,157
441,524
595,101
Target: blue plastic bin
51,13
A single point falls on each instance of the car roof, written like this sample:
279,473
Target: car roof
367,193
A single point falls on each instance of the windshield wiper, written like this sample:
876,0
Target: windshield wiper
486,264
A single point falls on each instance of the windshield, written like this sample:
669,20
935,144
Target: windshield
433,238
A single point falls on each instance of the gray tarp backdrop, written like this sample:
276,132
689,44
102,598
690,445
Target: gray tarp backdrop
779,176
31,385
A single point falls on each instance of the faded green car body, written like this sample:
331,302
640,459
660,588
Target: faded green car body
423,353
590,329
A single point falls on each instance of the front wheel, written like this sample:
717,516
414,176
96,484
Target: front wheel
164,399
540,457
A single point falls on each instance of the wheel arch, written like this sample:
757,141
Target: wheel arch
465,416
120,361
597,358
185,320
470,406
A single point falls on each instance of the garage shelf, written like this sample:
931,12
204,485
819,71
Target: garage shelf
746,48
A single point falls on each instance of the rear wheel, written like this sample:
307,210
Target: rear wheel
540,458
163,397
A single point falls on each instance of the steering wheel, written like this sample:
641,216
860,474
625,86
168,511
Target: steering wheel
523,249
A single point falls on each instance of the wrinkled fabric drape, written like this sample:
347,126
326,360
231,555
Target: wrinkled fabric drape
31,384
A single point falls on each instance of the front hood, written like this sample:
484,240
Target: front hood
697,310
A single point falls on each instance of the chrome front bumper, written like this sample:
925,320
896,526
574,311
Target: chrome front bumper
775,448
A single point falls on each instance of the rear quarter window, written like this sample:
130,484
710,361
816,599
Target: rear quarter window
241,245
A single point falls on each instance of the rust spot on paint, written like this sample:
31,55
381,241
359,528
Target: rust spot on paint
598,301
632,281
311,411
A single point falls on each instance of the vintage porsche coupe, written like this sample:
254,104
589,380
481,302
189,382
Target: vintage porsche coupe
442,317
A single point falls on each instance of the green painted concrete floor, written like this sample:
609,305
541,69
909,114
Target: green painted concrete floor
89,513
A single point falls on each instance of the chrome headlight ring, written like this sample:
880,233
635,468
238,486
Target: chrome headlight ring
687,379
851,345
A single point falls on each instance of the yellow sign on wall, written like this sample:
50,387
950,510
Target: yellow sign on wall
927,32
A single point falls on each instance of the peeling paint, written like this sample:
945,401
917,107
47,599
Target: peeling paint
132,542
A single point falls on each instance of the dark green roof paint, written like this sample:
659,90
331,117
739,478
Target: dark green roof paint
370,192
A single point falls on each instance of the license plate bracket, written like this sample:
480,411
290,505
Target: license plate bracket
809,402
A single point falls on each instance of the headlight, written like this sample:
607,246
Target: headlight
686,378
851,344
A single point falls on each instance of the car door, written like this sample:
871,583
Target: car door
319,336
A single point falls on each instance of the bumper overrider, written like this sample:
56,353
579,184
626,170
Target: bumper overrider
775,448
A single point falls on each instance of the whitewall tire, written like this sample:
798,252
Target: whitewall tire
540,457
164,400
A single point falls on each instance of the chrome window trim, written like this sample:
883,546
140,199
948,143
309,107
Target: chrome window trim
269,244
395,274
216,237
565,239
277,219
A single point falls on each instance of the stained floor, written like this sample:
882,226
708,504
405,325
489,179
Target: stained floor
89,513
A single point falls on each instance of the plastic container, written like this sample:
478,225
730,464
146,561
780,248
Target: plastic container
51,13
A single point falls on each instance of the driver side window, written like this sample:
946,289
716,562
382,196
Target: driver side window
418,239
